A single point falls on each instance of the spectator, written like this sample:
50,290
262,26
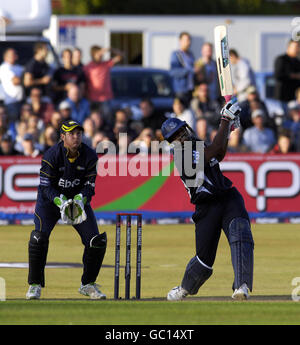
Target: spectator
284,143
97,73
49,137
90,130
207,111
35,126
150,118
99,137
123,116
42,109
142,144
182,68
206,69
7,146
56,121
21,131
287,73
292,123
258,138
65,76
3,121
29,147
37,71
76,58
253,101
100,124
65,110
11,81
121,141
80,107
242,75
183,113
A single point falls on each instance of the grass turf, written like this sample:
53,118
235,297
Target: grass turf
166,251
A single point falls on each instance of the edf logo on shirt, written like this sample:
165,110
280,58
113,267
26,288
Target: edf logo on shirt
68,184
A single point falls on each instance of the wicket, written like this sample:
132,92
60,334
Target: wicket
128,254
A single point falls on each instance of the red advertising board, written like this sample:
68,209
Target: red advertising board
270,185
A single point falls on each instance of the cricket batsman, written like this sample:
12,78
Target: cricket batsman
218,205
67,185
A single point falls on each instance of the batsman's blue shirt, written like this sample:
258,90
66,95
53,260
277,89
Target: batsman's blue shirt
61,175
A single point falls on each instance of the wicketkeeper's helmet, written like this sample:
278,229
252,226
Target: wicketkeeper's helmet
170,127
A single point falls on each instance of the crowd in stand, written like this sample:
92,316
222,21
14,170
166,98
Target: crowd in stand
37,100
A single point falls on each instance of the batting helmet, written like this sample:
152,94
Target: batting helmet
171,126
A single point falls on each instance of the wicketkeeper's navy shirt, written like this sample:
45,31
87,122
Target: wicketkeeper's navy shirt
61,175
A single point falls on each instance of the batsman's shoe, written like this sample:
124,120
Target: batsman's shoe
177,294
34,291
242,293
92,290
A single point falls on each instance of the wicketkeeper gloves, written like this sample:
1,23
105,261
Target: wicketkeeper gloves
79,214
65,208
71,210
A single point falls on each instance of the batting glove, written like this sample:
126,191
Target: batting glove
79,214
231,110
65,208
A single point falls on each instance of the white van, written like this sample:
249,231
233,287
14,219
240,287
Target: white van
22,24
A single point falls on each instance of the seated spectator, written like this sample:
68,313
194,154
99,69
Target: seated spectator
100,124
7,146
122,116
42,109
183,113
11,82
30,149
98,138
80,107
142,144
56,122
150,117
89,131
65,110
49,137
3,121
292,123
284,143
37,71
121,141
258,138
234,141
35,126
65,76
21,129
205,110
252,102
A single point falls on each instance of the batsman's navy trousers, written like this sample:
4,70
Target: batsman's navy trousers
47,215
211,217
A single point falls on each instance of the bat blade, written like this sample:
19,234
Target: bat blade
222,59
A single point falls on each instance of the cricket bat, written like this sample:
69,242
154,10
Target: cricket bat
222,59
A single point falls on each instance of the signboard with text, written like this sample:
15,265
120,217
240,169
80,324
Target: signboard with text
270,185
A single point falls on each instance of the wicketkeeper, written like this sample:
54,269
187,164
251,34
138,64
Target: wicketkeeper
218,206
67,184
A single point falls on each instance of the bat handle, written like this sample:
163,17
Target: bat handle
227,98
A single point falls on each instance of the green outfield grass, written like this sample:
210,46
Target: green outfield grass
166,251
